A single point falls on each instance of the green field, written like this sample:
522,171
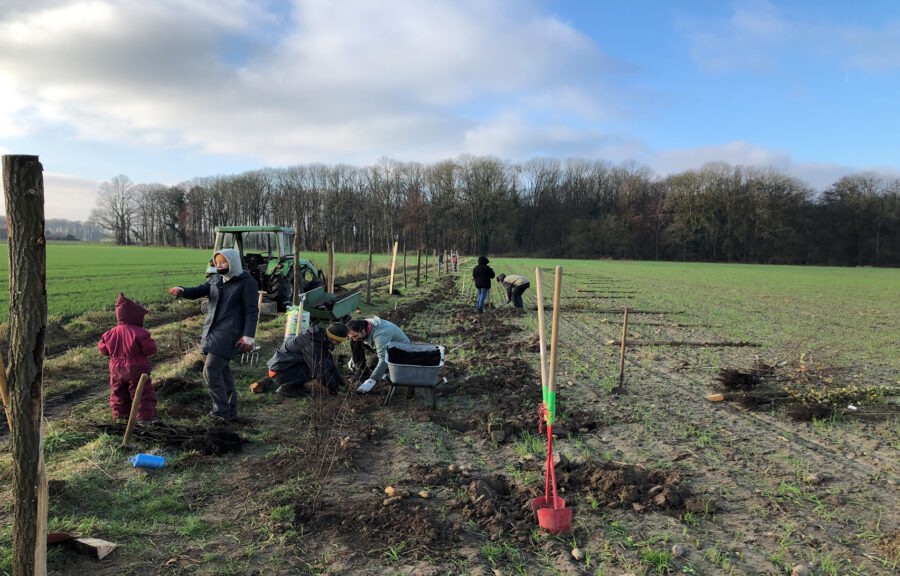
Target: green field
842,315
84,277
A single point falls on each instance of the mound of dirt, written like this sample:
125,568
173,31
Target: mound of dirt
214,442
622,486
171,386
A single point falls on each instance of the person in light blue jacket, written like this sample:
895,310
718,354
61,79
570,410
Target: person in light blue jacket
374,334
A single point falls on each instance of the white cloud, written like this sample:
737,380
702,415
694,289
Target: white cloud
330,81
65,196
819,175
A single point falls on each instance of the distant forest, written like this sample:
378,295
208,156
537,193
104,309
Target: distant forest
542,207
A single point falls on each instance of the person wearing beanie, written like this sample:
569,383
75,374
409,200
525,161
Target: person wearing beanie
229,328
482,274
373,334
515,286
128,345
305,357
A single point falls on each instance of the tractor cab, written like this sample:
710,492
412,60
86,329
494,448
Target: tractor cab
267,254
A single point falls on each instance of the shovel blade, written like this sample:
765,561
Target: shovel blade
546,502
555,520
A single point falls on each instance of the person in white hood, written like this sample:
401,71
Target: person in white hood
229,328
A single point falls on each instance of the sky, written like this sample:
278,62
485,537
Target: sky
167,90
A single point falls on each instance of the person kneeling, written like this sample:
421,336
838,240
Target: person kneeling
306,357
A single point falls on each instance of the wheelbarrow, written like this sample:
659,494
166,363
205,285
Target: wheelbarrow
413,375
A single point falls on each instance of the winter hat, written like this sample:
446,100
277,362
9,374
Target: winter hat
501,277
483,260
337,332
129,311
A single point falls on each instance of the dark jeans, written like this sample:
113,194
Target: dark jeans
517,292
217,373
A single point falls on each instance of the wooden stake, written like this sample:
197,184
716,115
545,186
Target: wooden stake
135,406
418,263
621,387
23,185
331,267
404,265
369,273
295,292
426,265
393,264
541,332
4,394
554,339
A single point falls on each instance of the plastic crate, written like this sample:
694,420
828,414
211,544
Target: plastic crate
409,374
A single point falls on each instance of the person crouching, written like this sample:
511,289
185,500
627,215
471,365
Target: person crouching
305,357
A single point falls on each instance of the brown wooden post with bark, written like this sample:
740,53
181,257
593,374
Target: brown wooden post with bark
369,273
295,292
418,264
23,184
621,387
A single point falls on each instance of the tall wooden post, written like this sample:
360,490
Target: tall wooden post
404,265
446,262
23,184
369,273
393,264
295,292
621,387
331,267
437,268
418,263
426,265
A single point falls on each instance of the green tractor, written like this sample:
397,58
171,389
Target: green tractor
267,254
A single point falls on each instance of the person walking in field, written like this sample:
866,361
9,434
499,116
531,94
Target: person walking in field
482,274
454,259
229,327
303,358
374,334
440,262
128,346
515,286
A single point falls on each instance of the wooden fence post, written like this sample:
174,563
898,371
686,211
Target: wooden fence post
295,291
393,264
23,184
331,267
369,273
426,265
621,387
418,263
404,265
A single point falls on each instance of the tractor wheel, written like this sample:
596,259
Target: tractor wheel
283,293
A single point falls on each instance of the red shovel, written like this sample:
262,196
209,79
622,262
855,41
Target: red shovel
552,514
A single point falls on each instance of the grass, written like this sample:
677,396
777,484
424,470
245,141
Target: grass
83,277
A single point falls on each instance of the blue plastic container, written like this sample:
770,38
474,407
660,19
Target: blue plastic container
148,461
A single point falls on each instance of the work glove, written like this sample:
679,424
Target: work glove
246,343
366,386
176,291
351,365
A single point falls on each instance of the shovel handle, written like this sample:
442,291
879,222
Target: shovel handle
554,339
541,332
135,406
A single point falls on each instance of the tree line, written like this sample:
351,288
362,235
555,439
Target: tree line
541,207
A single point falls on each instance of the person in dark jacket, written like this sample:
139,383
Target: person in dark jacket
482,274
229,328
128,345
307,356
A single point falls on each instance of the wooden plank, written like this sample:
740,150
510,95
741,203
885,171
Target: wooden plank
95,547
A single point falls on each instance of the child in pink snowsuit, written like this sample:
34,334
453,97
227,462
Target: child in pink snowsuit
128,345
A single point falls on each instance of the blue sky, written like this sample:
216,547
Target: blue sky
165,91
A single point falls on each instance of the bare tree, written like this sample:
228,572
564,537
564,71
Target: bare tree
115,208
